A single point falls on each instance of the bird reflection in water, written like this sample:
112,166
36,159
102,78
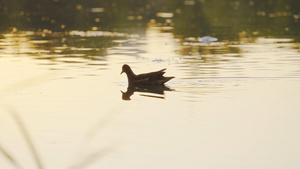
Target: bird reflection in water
148,91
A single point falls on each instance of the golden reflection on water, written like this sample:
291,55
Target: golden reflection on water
228,102
16,44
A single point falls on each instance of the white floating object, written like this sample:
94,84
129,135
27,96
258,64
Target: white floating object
207,39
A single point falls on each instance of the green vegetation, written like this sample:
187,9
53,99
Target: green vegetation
191,17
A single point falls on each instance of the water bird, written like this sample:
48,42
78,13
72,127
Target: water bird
152,78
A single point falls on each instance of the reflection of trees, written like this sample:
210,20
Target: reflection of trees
67,15
191,20
267,18
223,19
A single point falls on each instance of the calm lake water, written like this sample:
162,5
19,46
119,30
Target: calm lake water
231,105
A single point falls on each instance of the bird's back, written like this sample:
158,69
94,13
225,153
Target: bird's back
152,78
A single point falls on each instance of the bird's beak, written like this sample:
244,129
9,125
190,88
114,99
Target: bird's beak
121,72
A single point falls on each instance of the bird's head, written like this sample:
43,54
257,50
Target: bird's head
126,69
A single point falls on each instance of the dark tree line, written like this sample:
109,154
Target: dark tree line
191,17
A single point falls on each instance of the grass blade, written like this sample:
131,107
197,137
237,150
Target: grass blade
9,157
26,136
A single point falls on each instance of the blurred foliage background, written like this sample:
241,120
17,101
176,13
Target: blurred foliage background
186,17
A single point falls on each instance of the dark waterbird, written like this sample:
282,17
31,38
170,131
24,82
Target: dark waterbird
152,78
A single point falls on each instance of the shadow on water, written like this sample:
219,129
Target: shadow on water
152,89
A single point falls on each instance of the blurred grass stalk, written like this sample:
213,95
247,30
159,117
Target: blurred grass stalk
25,134
86,160
8,90
9,157
94,129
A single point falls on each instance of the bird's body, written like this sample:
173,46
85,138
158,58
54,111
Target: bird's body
152,78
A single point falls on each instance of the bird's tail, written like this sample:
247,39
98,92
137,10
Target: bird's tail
165,79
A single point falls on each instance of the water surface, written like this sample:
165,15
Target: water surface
232,104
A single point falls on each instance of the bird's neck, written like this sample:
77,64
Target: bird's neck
130,75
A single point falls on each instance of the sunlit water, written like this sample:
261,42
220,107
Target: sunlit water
231,105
